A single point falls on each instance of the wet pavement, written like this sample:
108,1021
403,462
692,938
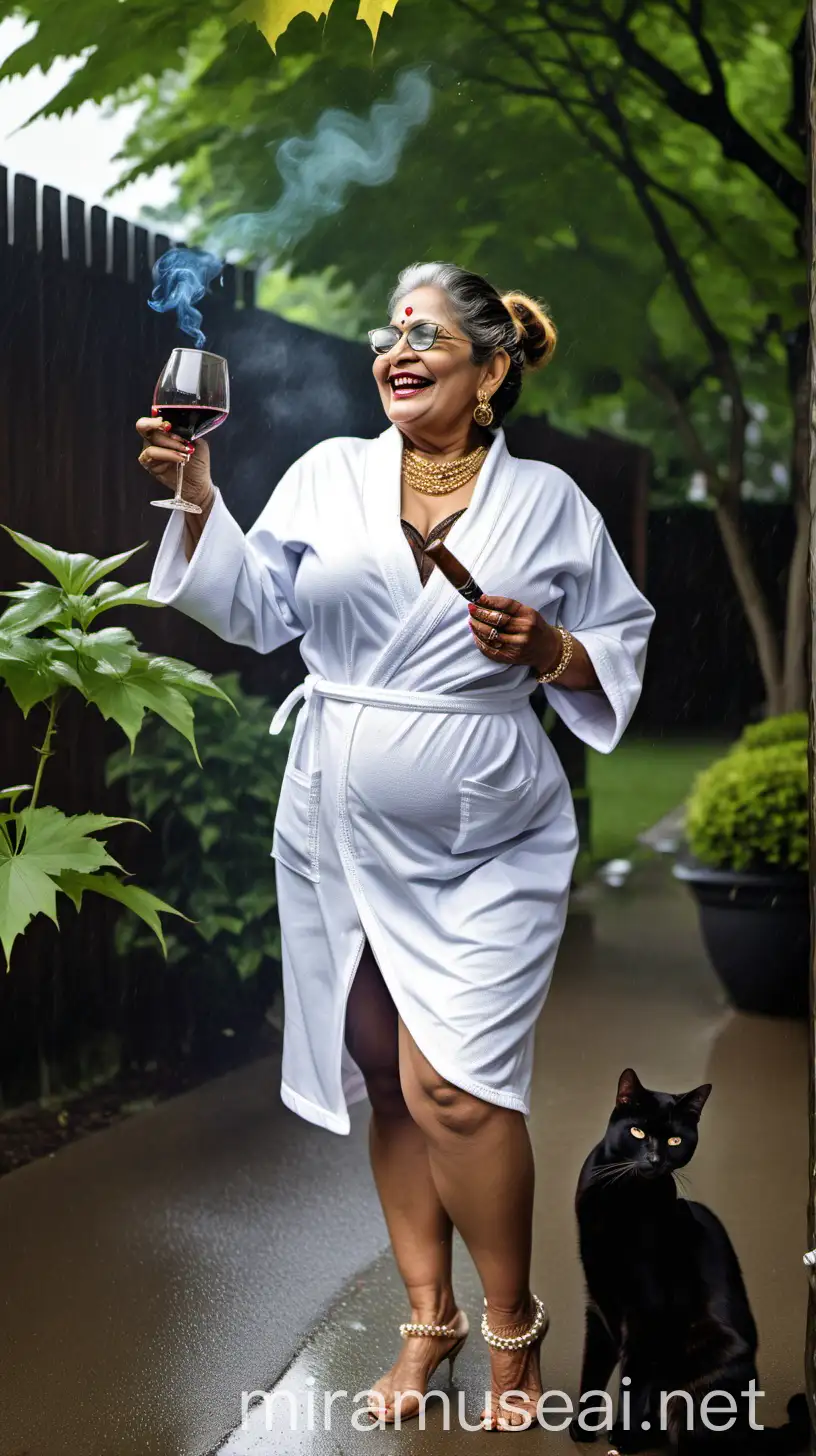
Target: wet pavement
219,1245
148,1272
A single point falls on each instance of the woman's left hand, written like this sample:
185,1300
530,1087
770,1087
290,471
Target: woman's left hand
507,631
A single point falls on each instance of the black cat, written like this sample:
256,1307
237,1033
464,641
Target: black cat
665,1293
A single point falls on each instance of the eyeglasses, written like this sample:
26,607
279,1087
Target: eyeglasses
420,336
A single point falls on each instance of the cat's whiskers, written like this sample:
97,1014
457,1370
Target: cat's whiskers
611,1172
626,1172
605,1171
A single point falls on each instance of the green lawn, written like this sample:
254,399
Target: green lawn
636,785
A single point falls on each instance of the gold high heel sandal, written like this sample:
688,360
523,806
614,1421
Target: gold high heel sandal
380,1410
534,1335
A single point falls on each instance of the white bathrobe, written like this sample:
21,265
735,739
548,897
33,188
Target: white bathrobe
423,806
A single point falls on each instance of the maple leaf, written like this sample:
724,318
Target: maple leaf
272,17
372,12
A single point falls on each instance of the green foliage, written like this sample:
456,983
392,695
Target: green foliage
273,16
536,114
749,810
641,166
563,138
47,648
784,728
319,301
215,831
105,666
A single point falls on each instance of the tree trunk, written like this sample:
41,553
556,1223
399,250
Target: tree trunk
797,611
794,685
754,603
810,1327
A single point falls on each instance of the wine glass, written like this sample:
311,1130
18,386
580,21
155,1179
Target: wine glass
192,392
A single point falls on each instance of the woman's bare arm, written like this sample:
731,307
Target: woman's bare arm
194,525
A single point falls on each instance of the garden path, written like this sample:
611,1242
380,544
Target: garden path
151,1273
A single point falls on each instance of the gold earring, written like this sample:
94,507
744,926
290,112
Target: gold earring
483,413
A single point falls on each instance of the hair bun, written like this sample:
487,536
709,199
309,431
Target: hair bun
535,329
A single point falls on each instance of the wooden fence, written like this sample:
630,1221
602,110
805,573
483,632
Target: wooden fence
79,355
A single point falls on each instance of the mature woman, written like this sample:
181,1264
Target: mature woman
425,837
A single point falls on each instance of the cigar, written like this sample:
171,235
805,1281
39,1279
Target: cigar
457,574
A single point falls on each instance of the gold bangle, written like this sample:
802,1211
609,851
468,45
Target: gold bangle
563,661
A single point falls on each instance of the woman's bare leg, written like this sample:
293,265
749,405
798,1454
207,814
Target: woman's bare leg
481,1162
418,1225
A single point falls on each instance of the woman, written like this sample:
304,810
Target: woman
425,837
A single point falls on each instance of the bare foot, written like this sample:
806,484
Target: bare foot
418,1359
515,1374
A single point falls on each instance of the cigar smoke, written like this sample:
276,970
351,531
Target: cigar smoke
182,276
317,171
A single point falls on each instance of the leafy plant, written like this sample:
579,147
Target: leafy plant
749,810
784,728
273,16
47,649
216,832
660,123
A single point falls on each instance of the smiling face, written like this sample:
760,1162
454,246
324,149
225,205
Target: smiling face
432,393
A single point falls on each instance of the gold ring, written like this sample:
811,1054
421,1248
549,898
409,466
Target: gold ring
493,635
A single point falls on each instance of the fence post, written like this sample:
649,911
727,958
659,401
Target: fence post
99,240
120,266
4,227
25,213
52,223
77,242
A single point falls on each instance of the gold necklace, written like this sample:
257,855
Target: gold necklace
440,477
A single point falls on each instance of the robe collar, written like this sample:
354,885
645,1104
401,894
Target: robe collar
419,608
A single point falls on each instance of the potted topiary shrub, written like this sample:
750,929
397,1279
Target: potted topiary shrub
784,728
747,833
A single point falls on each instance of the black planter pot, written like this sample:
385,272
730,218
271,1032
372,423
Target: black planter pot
756,930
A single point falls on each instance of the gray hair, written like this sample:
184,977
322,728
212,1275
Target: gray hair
490,321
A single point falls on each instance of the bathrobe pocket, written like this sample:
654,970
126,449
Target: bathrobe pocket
490,814
295,836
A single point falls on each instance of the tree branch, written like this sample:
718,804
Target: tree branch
656,379
709,110
548,93
735,541
706,51
644,185
625,160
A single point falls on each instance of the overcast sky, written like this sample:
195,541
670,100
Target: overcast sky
74,153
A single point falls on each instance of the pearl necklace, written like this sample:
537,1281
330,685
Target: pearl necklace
440,477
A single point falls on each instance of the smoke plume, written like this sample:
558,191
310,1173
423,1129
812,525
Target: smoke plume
318,171
182,276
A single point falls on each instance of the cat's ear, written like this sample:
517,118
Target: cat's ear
629,1088
694,1102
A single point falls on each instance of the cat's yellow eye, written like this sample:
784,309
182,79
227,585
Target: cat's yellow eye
675,1142
637,1132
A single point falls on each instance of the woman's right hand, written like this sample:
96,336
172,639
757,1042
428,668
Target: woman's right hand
162,452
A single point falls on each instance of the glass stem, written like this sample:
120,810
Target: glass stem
179,479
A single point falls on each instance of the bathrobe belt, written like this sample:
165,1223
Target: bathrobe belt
314,688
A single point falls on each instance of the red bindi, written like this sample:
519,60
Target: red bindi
408,312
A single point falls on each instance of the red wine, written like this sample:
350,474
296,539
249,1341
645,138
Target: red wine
190,421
